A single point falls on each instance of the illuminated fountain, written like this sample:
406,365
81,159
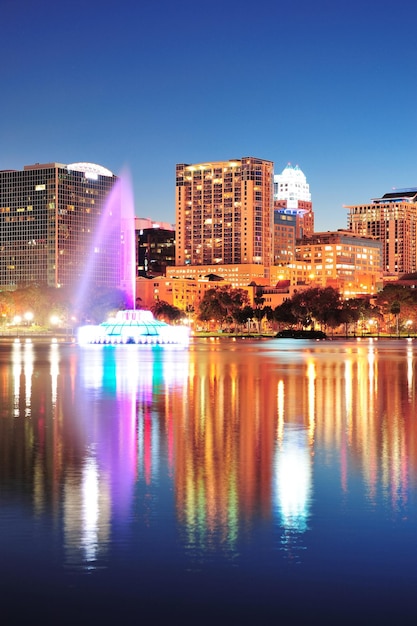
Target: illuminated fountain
134,326
130,326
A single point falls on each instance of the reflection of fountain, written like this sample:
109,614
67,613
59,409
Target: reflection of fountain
133,326
293,486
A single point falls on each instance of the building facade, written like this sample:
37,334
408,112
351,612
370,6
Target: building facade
392,220
350,263
155,247
292,197
224,213
284,237
58,224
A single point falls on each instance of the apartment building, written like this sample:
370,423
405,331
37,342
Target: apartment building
392,220
224,213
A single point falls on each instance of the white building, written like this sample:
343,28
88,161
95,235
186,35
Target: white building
291,185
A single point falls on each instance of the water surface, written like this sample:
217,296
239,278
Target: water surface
236,481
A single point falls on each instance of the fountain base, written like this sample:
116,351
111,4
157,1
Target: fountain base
134,327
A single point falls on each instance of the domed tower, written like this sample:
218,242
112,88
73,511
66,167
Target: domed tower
292,197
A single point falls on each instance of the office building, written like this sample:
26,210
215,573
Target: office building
284,239
340,259
155,246
292,197
58,225
224,213
392,220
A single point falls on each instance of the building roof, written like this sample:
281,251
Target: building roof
407,195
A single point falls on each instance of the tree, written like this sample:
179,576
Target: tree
99,303
167,312
349,313
221,303
284,315
399,301
312,305
243,316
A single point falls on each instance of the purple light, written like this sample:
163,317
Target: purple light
128,247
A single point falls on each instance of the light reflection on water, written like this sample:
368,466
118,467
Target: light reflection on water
211,452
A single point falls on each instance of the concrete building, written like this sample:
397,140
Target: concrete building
340,259
292,197
57,223
224,213
236,275
392,220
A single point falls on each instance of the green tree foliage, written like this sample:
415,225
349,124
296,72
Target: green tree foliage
399,304
316,305
100,303
167,312
221,303
283,314
242,317
44,302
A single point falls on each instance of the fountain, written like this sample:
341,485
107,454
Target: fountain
131,326
134,326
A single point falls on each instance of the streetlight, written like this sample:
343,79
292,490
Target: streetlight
408,324
28,318
54,319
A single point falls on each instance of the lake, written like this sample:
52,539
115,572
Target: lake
234,481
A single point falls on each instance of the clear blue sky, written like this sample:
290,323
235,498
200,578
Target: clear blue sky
330,86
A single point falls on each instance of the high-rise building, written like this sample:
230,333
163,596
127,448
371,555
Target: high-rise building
224,212
58,225
292,197
285,228
392,220
155,245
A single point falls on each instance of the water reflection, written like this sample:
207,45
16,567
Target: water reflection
237,433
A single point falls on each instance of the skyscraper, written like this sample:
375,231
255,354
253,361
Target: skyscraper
224,212
155,246
59,223
392,220
292,197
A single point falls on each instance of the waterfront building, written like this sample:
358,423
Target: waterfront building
185,286
292,197
224,213
238,275
284,237
51,216
155,246
341,259
392,220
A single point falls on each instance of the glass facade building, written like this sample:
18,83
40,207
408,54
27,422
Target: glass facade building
59,223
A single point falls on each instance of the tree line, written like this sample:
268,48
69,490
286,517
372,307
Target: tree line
393,309
44,303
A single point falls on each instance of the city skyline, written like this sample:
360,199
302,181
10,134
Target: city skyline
142,88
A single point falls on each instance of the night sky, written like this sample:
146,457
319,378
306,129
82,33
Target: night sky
330,86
